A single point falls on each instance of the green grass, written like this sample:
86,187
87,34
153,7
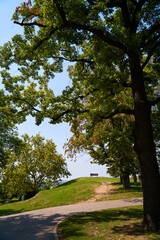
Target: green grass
112,224
120,193
74,191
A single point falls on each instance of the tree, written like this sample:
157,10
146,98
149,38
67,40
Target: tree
38,163
110,144
123,36
9,140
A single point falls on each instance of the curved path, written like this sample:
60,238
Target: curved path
42,224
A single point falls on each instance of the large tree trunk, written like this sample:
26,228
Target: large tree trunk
121,179
145,148
126,181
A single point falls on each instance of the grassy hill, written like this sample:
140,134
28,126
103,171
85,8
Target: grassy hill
74,191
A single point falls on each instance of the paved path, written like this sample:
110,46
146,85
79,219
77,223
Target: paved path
42,224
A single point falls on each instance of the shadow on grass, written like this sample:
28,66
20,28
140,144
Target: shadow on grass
133,229
68,232
120,189
73,226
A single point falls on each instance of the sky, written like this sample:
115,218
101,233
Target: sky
59,133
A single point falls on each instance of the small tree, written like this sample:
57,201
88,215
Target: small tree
37,163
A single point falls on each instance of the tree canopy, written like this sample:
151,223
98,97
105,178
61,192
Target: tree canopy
37,164
115,46
9,140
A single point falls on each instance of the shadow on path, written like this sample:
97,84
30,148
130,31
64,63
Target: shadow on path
41,224
29,227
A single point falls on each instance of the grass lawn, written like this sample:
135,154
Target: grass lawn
113,224
120,193
74,191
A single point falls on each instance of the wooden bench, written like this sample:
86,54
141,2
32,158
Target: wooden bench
93,174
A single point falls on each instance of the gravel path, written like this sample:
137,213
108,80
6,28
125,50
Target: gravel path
42,224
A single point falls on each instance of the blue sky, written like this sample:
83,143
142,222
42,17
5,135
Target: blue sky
58,133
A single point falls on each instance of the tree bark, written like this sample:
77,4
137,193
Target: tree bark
126,181
145,149
121,180
135,179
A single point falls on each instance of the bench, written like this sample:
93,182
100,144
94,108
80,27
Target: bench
93,174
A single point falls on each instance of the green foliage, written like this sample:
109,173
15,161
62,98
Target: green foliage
36,164
99,38
9,140
101,75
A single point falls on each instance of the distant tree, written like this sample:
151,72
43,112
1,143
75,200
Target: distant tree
36,164
110,144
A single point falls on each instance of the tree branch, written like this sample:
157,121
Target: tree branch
66,24
125,13
99,33
123,84
74,60
113,3
32,107
91,2
46,38
134,2
152,30
154,102
59,116
30,24
95,31
61,11
124,9
134,23
124,111
150,54
140,5
55,119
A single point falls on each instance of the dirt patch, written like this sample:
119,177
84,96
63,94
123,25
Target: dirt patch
104,189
